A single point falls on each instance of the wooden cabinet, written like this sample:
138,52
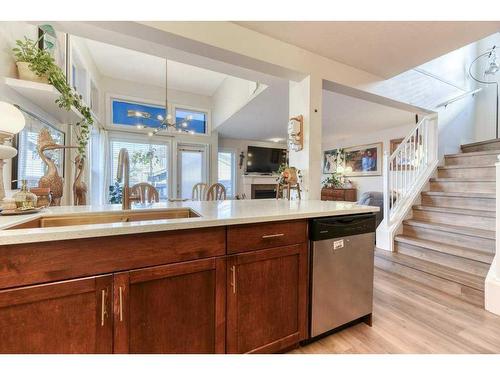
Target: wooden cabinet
177,308
240,289
338,194
65,317
266,299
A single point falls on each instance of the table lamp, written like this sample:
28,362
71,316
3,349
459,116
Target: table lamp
11,122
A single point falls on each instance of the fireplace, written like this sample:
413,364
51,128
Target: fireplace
263,191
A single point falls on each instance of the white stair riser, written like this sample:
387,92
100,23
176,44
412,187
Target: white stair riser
452,261
489,159
470,295
459,202
488,172
456,239
463,186
478,222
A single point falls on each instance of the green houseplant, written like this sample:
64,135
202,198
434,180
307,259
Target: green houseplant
42,64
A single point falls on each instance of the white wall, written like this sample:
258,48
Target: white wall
368,183
112,86
232,95
486,99
239,145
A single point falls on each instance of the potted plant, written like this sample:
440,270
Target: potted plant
33,63
332,181
42,64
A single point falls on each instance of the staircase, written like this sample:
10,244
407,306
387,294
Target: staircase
449,243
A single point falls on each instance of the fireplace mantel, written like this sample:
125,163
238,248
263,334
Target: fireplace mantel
251,179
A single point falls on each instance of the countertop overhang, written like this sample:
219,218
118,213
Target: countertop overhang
212,213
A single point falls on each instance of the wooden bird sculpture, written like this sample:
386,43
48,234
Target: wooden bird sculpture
51,180
79,186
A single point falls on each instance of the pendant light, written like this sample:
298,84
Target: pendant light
168,122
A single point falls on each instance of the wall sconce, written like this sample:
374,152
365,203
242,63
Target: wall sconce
242,158
295,135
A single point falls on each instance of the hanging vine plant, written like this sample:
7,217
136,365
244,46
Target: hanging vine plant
43,65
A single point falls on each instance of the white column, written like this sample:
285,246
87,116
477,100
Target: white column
492,283
305,99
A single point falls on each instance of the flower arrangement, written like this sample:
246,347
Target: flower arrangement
332,181
43,65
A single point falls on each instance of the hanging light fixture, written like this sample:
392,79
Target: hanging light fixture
491,71
166,123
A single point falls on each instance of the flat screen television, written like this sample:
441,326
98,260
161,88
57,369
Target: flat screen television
264,159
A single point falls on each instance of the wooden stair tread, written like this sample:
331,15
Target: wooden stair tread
467,166
481,143
474,153
447,273
478,255
458,211
461,179
461,194
483,233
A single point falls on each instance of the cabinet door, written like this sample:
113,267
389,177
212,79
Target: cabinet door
64,317
176,308
266,299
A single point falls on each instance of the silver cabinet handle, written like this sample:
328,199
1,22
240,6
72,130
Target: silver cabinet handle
103,307
121,303
273,235
233,278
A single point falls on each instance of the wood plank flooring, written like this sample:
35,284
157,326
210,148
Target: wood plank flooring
409,317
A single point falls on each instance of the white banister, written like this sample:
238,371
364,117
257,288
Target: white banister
406,171
492,283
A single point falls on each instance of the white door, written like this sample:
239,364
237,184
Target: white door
191,169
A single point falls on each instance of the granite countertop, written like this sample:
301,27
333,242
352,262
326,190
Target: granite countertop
214,213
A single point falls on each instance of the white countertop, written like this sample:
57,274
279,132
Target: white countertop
211,214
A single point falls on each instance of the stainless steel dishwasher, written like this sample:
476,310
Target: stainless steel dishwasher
342,250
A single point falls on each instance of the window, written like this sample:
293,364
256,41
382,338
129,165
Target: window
226,171
28,165
148,163
191,168
198,124
121,108
79,76
94,97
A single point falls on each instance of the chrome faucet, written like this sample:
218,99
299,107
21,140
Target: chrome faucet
123,172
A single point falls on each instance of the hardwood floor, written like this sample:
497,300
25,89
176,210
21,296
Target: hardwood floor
409,317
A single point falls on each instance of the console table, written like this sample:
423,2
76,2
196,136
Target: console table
339,194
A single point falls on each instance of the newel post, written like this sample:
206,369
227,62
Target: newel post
492,283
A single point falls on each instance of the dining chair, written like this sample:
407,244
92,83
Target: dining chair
199,191
147,193
216,192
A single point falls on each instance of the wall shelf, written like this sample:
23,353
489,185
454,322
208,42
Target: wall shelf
44,96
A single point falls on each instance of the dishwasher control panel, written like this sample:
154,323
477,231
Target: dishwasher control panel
341,226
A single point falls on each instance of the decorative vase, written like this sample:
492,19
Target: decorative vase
25,199
27,74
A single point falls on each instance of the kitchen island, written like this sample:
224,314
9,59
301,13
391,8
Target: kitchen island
183,277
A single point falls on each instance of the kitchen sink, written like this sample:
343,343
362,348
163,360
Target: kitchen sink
106,217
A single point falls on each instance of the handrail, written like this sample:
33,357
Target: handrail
461,96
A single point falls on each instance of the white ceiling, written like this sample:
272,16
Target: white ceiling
265,118
122,63
345,116
382,48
